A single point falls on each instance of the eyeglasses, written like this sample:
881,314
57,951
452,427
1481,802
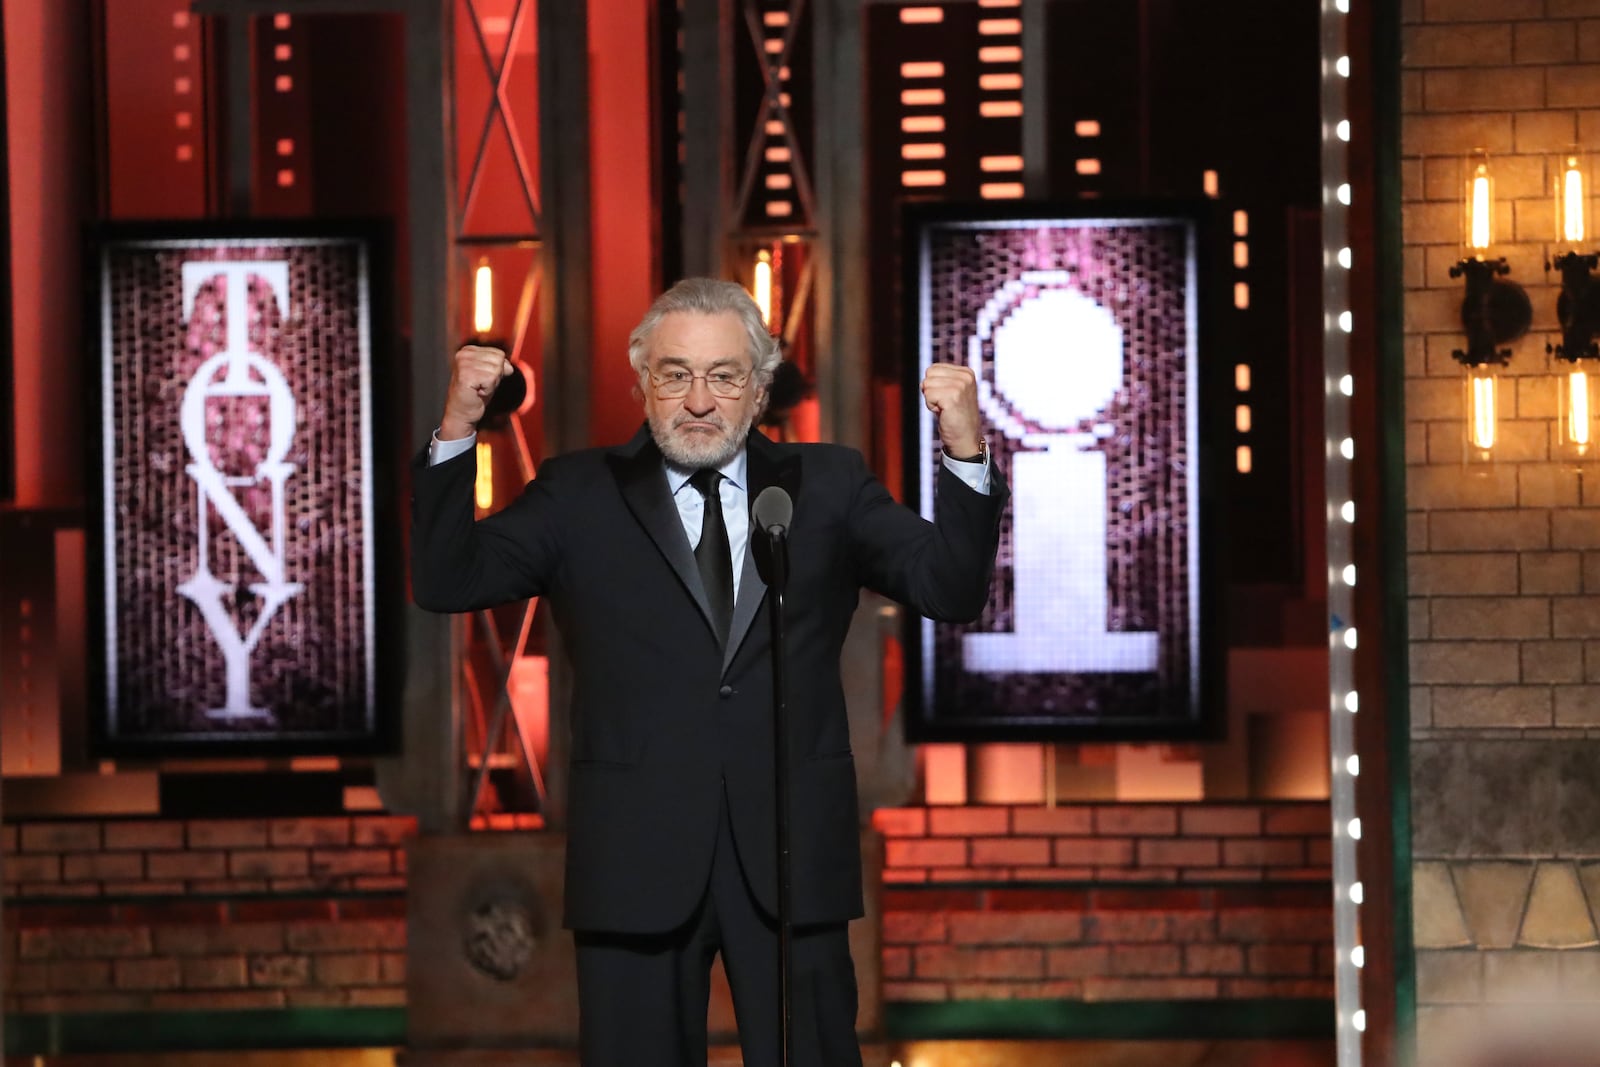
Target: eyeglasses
677,383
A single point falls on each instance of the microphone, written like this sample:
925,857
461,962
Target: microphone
774,511
773,514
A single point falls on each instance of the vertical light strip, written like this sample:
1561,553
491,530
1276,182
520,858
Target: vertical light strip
1343,699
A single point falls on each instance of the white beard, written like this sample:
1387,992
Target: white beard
694,449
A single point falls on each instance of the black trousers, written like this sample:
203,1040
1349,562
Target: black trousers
643,998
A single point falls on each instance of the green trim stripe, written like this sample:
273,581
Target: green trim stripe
1128,1020
173,1031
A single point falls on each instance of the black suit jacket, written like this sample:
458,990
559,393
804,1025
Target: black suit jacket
662,715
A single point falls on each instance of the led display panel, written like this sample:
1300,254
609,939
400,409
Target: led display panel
241,577
1082,326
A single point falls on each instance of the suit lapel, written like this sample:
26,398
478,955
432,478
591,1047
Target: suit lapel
766,466
641,477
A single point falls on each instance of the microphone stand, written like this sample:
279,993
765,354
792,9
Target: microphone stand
778,542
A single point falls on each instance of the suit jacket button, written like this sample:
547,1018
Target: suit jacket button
725,692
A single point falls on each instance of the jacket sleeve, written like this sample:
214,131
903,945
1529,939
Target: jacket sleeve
459,563
941,568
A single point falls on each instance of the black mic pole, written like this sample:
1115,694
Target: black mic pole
773,513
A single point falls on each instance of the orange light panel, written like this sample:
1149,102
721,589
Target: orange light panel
1241,418
779,208
779,181
922,124
1087,166
1241,459
922,70
281,22
995,164
1241,223
1241,295
777,154
999,27
285,146
1241,377
1000,109
282,53
1087,128
283,83
1210,183
921,179
922,151
775,18
1000,190
1000,54
922,97
921,15
1241,254
285,179
1000,82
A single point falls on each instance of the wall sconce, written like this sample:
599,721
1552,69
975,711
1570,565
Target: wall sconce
1494,311
761,287
510,395
1577,308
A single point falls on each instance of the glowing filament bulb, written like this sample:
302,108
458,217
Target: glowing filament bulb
1482,400
483,485
763,285
483,299
1482,202
1572,201
1578,409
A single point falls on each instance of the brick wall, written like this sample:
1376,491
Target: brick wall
1121,901
1504,562
150,915
1144,943
1286,841
1148,902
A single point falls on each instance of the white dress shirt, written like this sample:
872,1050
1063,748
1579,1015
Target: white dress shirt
734,488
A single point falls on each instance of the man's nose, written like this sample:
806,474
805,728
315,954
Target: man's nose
700,401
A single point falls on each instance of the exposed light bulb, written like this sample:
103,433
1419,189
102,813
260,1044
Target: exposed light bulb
1347,511
1342,65
1349,574
1347,448
1356,894
1347,385
1358,956
1352,702
1344,258
1350,637
1354,829
1353,766
1343,193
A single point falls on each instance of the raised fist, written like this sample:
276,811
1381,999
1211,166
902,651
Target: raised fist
475,371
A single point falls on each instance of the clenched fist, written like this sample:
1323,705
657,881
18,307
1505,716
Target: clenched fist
951,393
475,371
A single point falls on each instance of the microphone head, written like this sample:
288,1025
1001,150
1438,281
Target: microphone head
773,508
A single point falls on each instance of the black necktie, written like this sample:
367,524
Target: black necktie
712,553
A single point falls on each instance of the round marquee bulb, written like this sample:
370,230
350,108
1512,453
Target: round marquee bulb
1349,574
1343,194
1359,1021
1356,893
1346,321
1358,956
1355,829
1353,765
1352,702
1343,129
1342,65
1347,448
1344,258
1350,637
1347,385
1347,511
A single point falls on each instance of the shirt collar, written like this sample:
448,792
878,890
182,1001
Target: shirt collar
733,470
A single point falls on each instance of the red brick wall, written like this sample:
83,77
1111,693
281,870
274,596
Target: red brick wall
1287,841
1121,901
301,913
1144,918
1137,943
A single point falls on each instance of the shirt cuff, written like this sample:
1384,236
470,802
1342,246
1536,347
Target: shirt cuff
440,451
975,475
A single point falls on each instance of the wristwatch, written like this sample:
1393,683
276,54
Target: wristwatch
983,454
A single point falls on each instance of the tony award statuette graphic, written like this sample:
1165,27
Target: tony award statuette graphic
237,373
1081,324
1057,365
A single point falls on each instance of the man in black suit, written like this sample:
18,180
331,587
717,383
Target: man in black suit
641,552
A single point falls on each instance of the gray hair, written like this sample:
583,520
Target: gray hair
709,296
